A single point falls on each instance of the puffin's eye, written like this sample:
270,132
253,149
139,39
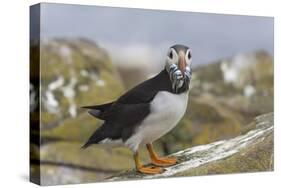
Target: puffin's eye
171,55
189,55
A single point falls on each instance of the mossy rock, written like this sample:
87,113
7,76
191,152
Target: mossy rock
56,175
65,162
73,129
74,73
95,157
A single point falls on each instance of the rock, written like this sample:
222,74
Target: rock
250,152
64,162
74,73
243,82
74,165
72,129
54,174
95,157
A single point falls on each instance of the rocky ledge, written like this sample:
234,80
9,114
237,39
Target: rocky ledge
250,152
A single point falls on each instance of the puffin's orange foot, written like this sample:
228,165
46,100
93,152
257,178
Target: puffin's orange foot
150,170
165,161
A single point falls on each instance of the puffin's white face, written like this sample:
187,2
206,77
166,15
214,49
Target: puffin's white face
181,58
178,66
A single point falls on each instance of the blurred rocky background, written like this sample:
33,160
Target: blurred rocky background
225,96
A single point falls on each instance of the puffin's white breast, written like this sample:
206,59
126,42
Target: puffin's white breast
166,111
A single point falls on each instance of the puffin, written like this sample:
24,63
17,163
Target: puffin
147,111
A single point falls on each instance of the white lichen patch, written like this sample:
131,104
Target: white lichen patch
84,73
50,102
249,90
100,83
72,110
68,90
69,93
83,88
56,84
232,70
66,53
230,73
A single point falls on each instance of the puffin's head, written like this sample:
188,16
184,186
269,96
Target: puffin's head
178,66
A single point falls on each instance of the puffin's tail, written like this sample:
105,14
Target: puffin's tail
85,145
96,137
98,110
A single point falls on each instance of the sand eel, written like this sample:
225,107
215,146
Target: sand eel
148,111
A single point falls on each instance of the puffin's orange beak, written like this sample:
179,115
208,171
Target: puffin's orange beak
182,62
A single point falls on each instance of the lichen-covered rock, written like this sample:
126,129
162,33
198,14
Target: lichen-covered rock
54,174
64,162
74,73
243,82
72,129
250,152
95,157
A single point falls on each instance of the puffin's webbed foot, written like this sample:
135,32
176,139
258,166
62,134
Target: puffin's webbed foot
150,170
146,169
160,161
164,161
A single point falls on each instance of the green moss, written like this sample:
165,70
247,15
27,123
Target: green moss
100,94
48,119
78,129
96,157
211,73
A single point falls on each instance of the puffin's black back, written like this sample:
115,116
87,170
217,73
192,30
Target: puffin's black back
123,115
145,92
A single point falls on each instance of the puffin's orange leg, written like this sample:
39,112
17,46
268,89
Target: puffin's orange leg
163,161
148,169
